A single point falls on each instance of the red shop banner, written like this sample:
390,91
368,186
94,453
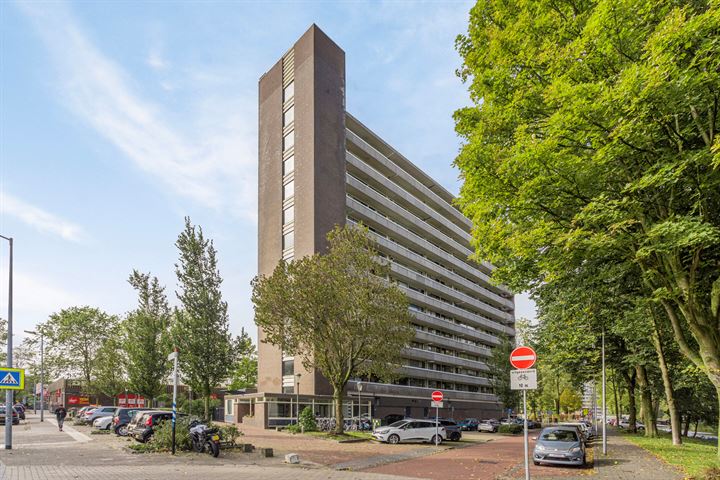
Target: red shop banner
131,400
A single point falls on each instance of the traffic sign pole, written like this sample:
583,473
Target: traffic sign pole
437,398
524,378
527,465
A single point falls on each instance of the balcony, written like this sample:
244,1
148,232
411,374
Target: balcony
433,339
435,357
480,287
405,180
411,277
405,199
386,226
430,320
423,373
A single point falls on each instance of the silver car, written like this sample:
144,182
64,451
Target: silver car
560,445
410,430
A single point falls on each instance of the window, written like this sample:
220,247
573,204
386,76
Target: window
288,240
289,164
288,215
289,116
289,92
288,367
288,141
289,190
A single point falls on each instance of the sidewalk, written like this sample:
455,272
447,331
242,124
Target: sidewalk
31,433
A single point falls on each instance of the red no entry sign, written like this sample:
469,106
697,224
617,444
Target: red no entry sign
437,396
523,357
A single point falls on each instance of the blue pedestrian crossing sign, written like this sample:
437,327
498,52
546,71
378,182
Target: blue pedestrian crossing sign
12,379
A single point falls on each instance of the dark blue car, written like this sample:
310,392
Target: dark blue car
469,424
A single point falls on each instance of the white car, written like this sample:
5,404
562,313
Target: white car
409,430
626,424
103,423
582,426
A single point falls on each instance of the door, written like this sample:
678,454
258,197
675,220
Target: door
409,432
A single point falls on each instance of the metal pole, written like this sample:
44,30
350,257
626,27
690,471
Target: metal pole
35,398
437,428
604,410
174,404
9,393
42,377
525,429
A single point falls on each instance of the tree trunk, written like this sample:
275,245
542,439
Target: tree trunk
337,402
669,392
687,425
206,401
648,412
618,414
632,413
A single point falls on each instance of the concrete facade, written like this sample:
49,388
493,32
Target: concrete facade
319,167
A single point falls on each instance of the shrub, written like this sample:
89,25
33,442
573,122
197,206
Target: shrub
307,420
229,433
294,428
512,429
162,436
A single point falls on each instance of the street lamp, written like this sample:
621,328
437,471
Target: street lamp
9,393
297,397
359,389
42,373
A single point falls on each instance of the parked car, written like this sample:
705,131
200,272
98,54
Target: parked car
488,426
99,412
582,427
626,424
103,423
469,424
15,415
560,445
146,423
20,409
532,424
410,430
392,418
454,431
122,418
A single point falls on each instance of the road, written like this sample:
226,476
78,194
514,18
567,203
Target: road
41,452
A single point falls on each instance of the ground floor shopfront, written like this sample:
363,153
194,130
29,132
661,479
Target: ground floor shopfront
373,401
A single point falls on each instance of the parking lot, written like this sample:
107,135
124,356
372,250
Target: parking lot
41,452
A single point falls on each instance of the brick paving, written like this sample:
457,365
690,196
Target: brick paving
502,459
40,452
330,452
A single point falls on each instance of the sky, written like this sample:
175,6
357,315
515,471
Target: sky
118,119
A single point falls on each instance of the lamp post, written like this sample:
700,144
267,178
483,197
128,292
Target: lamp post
9,393
359,389
297,397
42,373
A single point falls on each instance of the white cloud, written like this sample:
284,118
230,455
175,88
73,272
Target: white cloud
36,298
213,163
39,218
156,61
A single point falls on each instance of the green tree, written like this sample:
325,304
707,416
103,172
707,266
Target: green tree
337,312
73,338
110,379
499,365
147,337
594,134
570,401
245,373
201,328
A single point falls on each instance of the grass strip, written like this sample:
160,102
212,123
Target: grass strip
695,457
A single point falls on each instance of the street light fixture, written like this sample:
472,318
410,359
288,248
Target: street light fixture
9,393
42,373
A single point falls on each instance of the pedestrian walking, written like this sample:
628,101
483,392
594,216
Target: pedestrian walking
60,414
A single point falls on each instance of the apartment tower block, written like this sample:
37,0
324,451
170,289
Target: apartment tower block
319,167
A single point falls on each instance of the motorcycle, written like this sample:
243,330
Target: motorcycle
204,438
